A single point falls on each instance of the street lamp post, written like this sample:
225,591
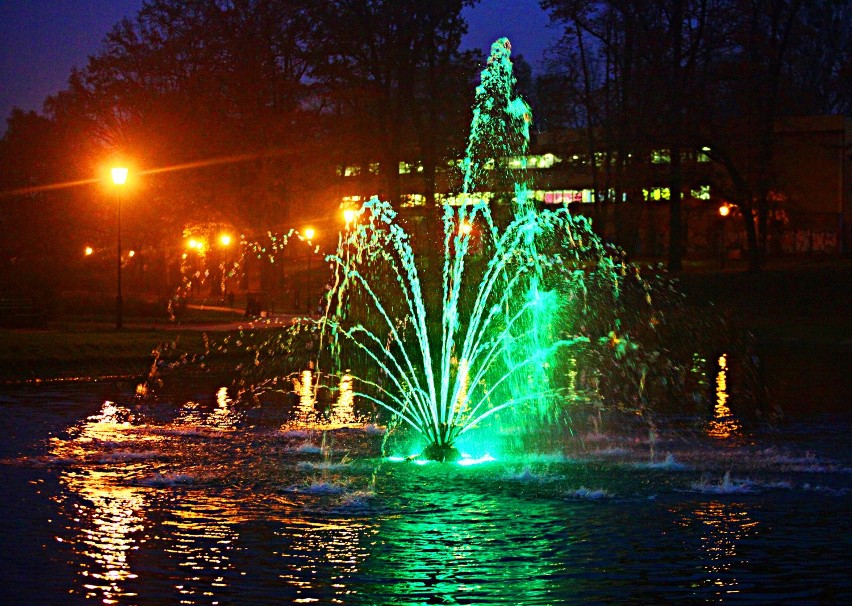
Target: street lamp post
310,232
119,177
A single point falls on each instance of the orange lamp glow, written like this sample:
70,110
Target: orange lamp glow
119,175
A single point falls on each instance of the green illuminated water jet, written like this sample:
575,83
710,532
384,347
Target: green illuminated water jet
445,355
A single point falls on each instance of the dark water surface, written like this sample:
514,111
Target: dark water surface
206,503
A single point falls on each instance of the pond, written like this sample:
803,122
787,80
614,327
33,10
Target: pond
196,499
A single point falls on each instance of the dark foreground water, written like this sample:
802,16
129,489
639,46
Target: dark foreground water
206,503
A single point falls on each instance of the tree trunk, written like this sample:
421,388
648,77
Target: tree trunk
676,121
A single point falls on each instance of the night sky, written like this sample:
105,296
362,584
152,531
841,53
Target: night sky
41,40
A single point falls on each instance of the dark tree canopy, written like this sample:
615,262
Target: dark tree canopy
687,74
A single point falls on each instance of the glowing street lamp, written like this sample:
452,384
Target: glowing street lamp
724,210
225,239
349,216
119,177
310,233
88,251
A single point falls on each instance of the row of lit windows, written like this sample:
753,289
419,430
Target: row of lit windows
664,156
407,168
548,197
702,192
586,196
657,156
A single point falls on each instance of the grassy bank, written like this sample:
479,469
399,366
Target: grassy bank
801,307
87,350
90,346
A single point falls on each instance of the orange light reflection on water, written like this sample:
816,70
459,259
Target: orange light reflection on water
724,527
114,470
338,542
724,424
203,533
107,516
343,411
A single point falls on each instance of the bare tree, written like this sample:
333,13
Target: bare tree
391,70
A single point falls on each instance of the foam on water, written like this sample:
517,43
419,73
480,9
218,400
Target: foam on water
305,448
589,494
528,474
318,487
161,480
726,485
323,466
669,463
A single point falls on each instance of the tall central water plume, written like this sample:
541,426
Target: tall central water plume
445,351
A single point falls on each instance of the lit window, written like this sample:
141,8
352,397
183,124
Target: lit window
566,196
656,194
702,192
543,161
351,171
661,156
466,200
412,200
547,160
406,168
702,155
373,168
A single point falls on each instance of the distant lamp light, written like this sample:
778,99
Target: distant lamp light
724,210
88,250
192,243
310,233
131,253
465,228
225,239
119,175
349,215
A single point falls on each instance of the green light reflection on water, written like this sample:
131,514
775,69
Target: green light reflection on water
455,546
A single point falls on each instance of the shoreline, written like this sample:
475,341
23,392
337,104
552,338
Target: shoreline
801,309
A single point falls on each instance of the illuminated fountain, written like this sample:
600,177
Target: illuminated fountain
505,321
443,354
